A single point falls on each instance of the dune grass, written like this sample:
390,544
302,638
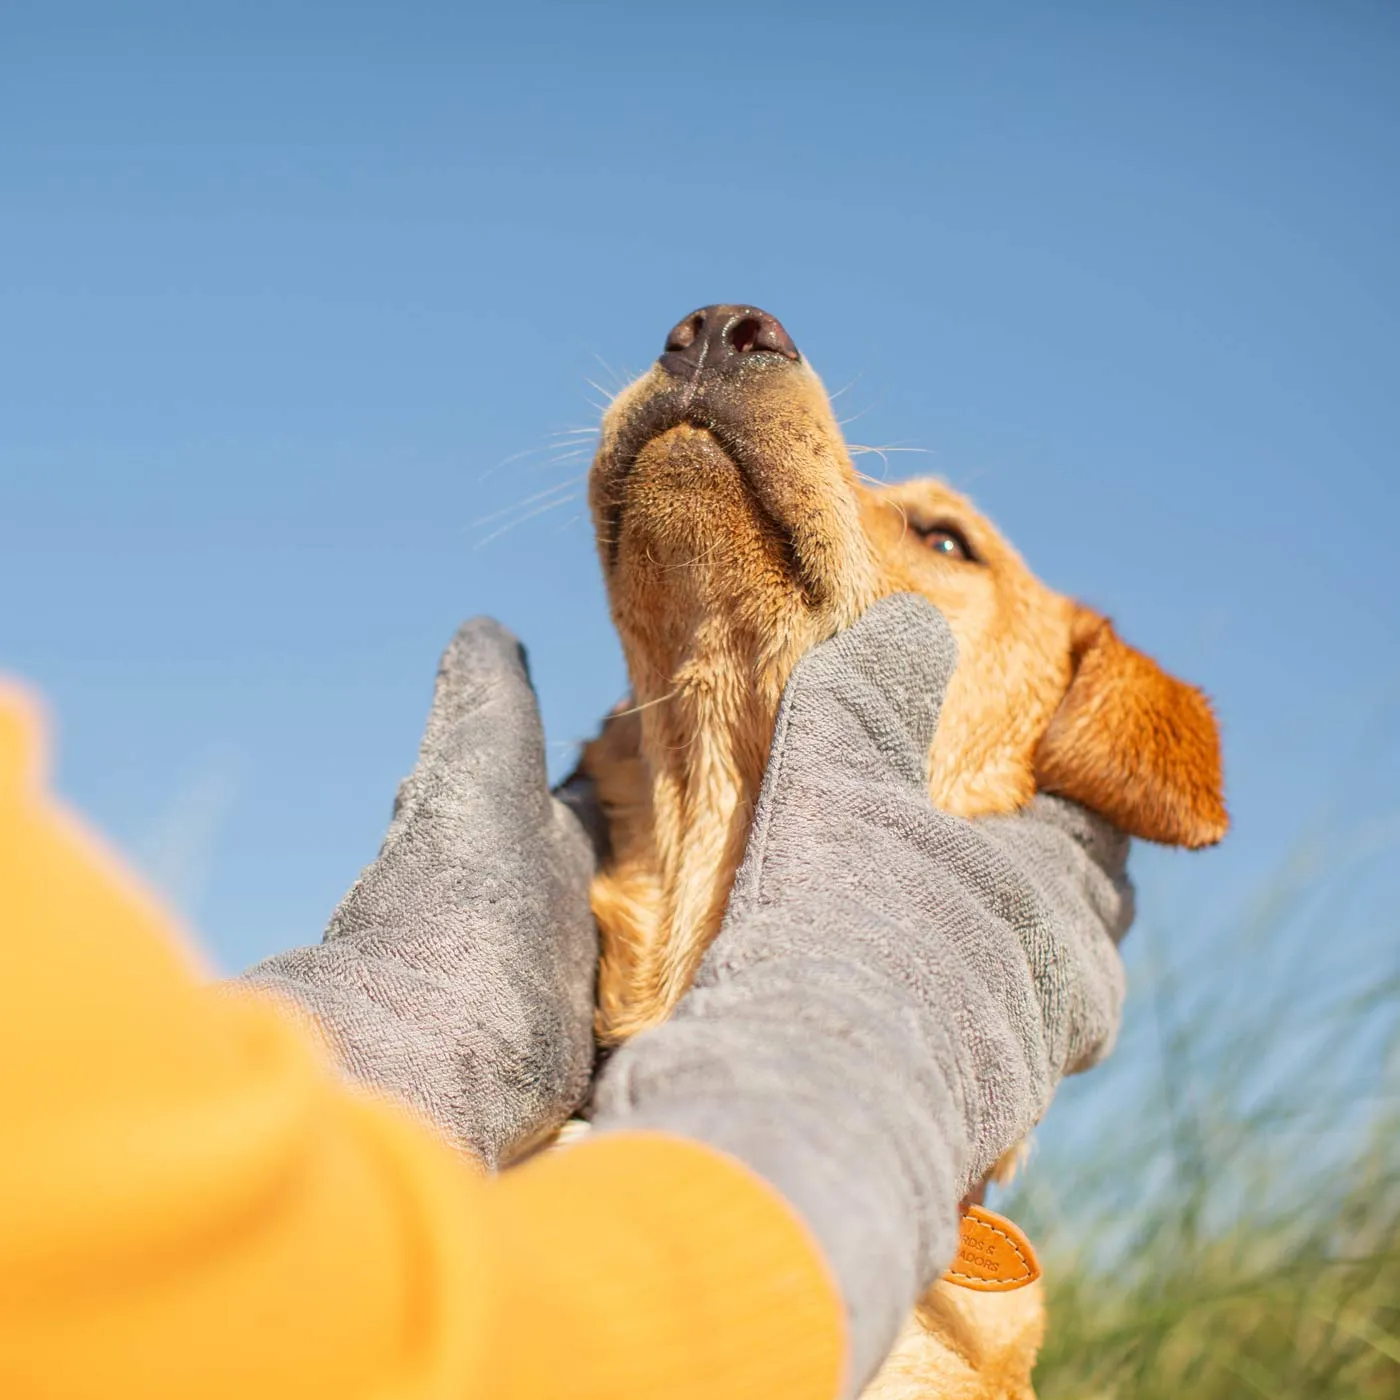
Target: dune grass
1225,1220
1303,1304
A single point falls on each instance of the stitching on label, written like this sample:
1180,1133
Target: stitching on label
1015,1249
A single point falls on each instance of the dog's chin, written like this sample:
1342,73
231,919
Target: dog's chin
700,569
685,517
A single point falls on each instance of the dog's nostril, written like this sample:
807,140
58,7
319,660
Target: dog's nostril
744,335
760,331
683,336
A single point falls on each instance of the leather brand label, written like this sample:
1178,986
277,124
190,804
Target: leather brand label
993,1255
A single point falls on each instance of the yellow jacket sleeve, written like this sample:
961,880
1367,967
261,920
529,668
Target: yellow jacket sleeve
192,1203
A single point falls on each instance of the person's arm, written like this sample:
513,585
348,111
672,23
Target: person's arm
458,973
193,1204
895,993
190,1197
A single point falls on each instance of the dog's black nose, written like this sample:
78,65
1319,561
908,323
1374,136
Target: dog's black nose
717,337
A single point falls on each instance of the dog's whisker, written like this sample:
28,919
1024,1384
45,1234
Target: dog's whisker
884,464
554,464
851,385
621,380
904,522
715,555
645,705
560,459
529,500
514,457
529,515
707,556
608,395
554,441
860,447
855,417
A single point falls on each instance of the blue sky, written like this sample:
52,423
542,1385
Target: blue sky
294,296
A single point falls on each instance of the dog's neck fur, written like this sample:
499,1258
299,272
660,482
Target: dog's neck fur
680,807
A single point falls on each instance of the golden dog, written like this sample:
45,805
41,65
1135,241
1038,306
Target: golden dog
735,534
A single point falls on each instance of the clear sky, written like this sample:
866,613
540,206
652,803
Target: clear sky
295,298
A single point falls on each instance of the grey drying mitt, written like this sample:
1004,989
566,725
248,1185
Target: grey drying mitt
458,973
895,992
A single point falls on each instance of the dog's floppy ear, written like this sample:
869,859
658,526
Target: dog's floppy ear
1134,744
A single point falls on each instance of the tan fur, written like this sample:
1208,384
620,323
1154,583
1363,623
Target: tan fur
728,551
960,1345
1167,784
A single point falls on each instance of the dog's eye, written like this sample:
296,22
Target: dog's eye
946,540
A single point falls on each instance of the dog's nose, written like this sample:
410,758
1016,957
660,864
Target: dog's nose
718,337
